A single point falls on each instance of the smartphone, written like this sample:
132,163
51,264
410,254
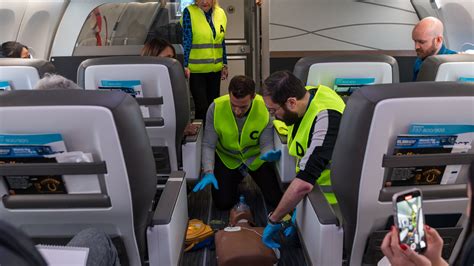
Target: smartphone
409,219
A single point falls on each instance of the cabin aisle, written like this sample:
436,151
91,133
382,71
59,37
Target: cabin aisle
200,207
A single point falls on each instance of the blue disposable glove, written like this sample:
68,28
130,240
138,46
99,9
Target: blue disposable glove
289,231
206,180
269,233
271,156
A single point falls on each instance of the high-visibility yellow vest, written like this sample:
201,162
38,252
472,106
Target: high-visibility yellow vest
206,52
232,149
324,99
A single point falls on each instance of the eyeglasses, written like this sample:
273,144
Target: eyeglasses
272,111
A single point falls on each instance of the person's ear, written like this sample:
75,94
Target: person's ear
291,103
439,40
253,96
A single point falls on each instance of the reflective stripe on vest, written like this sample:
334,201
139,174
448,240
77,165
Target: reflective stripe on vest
232,151
326,189
204,46
206,51
324,99
205,61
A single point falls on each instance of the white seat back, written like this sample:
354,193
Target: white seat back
325,69
454,67
23,74
120,185
363,159
165,101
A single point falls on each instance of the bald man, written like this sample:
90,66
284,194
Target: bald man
428,38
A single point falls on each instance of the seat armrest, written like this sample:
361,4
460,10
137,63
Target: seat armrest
283,138
191,153
321,207
166,234
168,200
321,236
286,165
154,121
195,137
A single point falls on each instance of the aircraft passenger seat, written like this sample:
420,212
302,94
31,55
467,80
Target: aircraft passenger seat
164,101
22,74
455,67
116,193
362,163
325,69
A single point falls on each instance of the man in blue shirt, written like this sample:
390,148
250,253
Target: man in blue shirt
428,38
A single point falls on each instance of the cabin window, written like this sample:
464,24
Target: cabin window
119,24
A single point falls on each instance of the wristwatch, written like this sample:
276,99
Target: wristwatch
270,221
285,222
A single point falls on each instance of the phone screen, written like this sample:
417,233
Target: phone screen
410,221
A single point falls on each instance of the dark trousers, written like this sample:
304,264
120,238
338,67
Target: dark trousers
227,195
205,87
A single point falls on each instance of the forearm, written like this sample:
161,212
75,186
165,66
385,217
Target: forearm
224,53
207,160
297,190
187,36
209,142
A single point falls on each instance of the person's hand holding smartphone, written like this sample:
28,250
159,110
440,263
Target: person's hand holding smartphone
409,219
410,236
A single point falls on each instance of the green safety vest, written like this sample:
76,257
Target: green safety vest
324,99
232,149
206,54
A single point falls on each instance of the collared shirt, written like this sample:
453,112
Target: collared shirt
188,35
419,61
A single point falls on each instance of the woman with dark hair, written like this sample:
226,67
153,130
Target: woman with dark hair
158,47
401,255
15,50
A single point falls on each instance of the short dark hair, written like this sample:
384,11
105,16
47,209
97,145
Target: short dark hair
12,49
282,85
155,46
241,86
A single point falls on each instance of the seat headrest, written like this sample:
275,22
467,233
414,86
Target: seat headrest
431,65
106,99
178,82
303,65
41,66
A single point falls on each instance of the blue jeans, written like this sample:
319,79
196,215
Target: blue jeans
102,251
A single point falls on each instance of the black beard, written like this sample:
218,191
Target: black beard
289,117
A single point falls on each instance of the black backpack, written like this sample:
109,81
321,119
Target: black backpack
16,248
